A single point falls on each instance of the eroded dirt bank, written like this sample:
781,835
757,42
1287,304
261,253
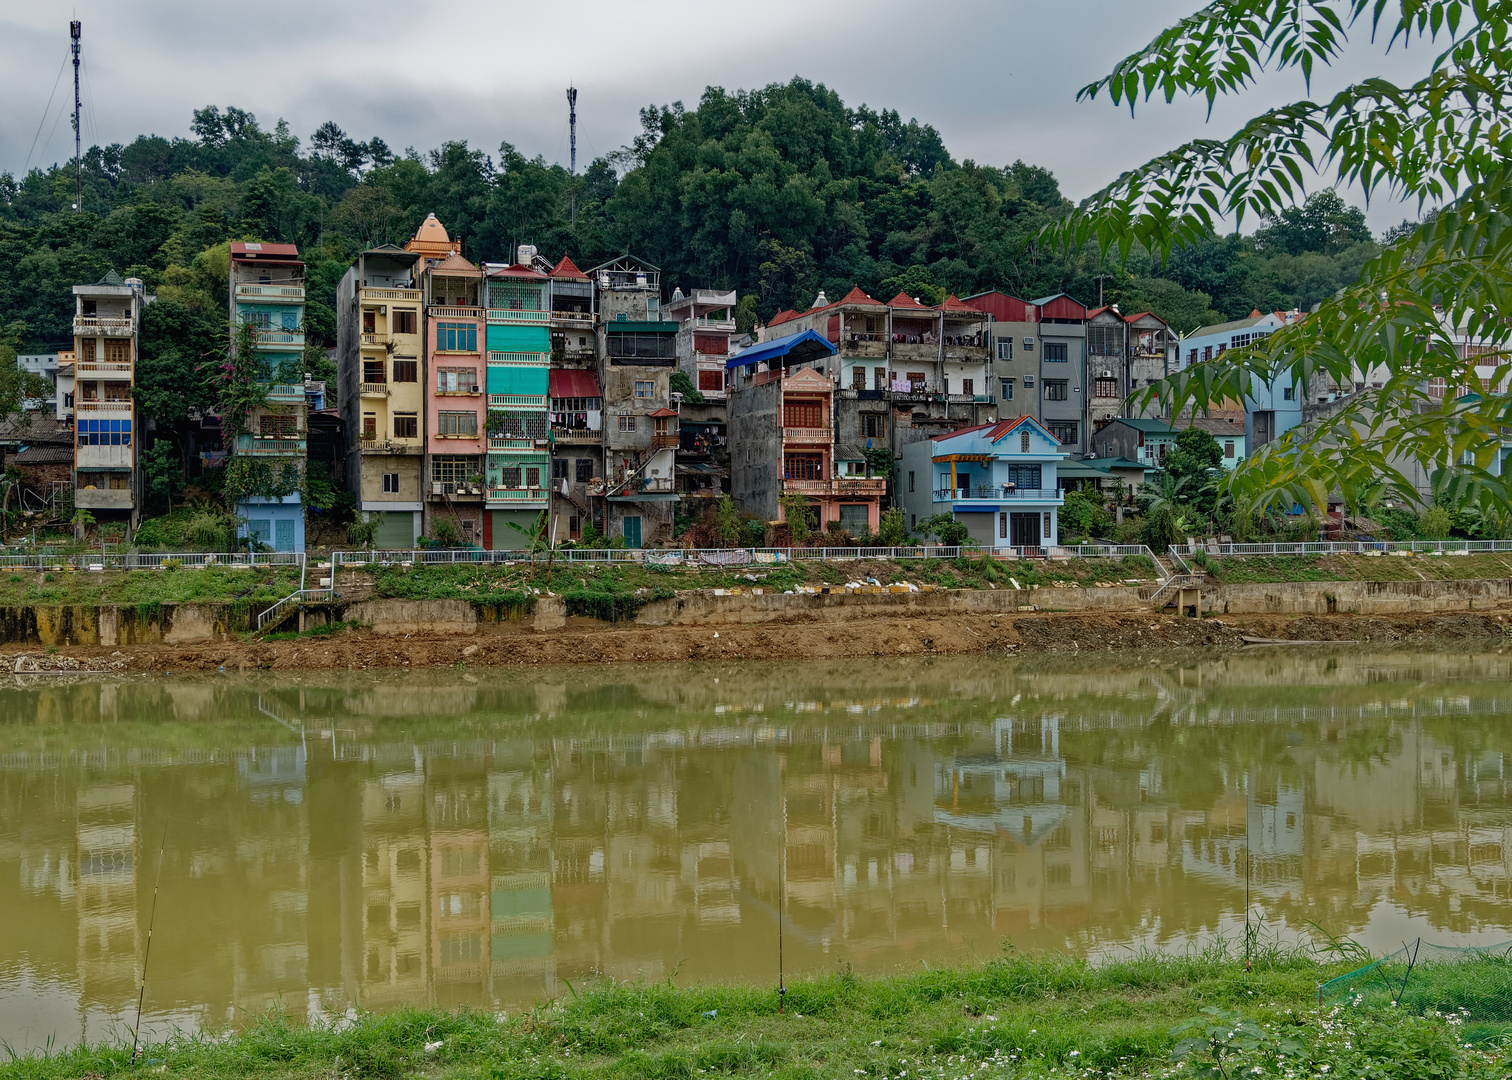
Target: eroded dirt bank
587,641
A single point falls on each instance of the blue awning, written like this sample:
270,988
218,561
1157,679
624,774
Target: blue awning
796,348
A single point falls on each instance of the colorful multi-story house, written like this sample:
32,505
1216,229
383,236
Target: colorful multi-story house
379,347
518,427
706,319
107,321
637,355
782,439
455,337
267,293
997,479
1015,351
577,405
1063,369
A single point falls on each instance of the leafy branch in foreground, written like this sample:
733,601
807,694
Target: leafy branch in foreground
1433,414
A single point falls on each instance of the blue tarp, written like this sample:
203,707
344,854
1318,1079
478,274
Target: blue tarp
798,348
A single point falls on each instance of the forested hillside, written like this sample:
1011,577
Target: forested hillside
776,192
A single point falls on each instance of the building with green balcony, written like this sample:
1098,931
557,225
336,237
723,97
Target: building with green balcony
517,468
267,293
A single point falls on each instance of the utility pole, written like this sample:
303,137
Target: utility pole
75,29
572,147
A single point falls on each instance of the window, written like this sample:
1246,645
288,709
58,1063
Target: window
1064,431
627,423
632,347
910,481
509,476
916,381
290,322
1055,389
277,424
645,388
533,476
404,322
1003,526
968,387
88,353
406,426
263,320
1055,352
1105,340
711,380
1024,444
1207,352
559,468
1005,348
369,321
1105,388
514,295
372,372
803,466
1007,390
1288,393
1047,524
518,425
456,337
391,483
1025,477
406,371
879,378
104,432
858,378
455,380
584,468
1228,448
871,425
1192,357
117,351
803,414
457,424
453,470
1239,341
369,426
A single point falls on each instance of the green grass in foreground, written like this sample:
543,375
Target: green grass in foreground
145,588
1016,1016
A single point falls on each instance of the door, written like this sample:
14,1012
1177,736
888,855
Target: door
633,531
283,534
396,531
259,530
1024,530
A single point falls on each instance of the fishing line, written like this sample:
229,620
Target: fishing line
781,903
147,952
45,111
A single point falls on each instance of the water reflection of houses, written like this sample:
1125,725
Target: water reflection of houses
522,925
395,935
106,894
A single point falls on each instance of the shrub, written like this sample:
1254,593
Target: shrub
1435,523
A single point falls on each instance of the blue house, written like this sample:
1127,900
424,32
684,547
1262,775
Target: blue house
999,480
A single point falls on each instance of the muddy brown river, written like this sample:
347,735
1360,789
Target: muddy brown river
448,838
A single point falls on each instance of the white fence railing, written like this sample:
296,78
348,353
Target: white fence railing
727,556
1358,547
132,560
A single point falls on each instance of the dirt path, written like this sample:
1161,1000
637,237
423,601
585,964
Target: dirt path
584,641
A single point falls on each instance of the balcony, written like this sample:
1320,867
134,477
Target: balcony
497,443
576,436
104,498
373,389
517,401
281,337
103,457
665,441
270,446
116,405
852,486
708,322
271,294
520,359
446,489
104,369
808,434
461,391
286,394
388,446
572,320
103,326
519,496
867,346
412,295
376,340
518,315
442,312
996,493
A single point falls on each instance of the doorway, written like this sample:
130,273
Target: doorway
1023,530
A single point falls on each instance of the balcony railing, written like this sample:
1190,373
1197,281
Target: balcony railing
108,369
660,441
844,485
529,359
708,322
518,315
286,394
373,389
270,445
388,446
461,391
996,493
116,405
441,312
103,326
498,443
517,401
270,293
103,498
518,495
375,339
575,319
280,337
808,434
576,436
391,294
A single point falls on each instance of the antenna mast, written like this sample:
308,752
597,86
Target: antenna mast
572,145
75,29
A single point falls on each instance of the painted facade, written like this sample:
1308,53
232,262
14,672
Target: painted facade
518,466
267,291
706,319
999,480
107,481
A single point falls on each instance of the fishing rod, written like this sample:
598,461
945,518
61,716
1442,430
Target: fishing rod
1248,959
781,903
147,952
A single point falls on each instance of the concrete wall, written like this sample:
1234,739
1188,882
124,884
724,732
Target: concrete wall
756,448
111,625
1358,597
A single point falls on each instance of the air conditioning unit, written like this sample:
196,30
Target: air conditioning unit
436,487
383,309
1106,375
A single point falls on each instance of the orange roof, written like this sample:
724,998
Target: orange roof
783,316
518,270
431,239
455,264
903,300
1142,314
253,249
568,269
1000,428
856,296
662,414
952,304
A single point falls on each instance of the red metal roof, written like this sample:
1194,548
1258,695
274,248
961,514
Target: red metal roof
1003,308
952,304
518,270
783,316
856,296
662,414
903,300
252,250
565,383
1000,428
568,269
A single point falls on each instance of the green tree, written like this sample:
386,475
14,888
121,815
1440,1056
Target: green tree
797,513
892,530
726,520
1445,137
945,528
679,383
164,474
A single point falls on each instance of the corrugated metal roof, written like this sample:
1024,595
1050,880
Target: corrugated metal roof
566,383
808,345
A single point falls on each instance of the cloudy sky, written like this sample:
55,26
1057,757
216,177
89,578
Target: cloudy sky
998,79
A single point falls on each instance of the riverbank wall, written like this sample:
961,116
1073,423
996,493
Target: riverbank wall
194,623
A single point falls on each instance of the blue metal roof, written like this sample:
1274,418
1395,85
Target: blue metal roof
800,347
